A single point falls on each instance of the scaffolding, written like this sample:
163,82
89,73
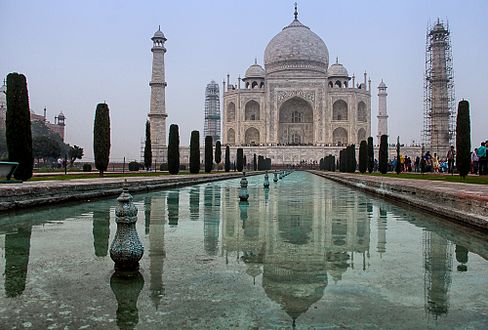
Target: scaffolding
212,111
437,253
439,125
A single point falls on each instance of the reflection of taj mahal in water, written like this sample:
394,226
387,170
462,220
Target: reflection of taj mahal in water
298,247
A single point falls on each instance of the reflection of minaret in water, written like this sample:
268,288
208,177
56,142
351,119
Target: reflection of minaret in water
194,203
156,247
17,248
101,231
382,221
173,202
437,277
211,220
127,288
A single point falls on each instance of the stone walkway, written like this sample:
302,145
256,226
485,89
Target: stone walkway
461,202
36,193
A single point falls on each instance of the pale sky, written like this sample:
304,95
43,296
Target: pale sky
76,54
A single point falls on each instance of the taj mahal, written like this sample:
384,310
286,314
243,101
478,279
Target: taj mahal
297,98
297,108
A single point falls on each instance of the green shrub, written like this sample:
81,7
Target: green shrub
18,126
208,154
383,155
463,139
227,159
370,154
173,149
134,166
195,152
240,159
101,137
87,167
363,156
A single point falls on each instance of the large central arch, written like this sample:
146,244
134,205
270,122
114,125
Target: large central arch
295,122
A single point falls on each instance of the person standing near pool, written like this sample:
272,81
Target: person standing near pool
482,159
451,155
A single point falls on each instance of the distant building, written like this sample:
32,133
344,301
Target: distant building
212,111
59,121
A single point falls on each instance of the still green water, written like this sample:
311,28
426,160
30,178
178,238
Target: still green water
307,253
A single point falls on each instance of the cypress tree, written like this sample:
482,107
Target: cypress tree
240,160
363,156
101,137
463,139
383,154
195,152
218,153
18,133
147,147
398,167
173,149
255,163
370,155
227,159
354,163
208,154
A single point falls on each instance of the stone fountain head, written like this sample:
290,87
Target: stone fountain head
126,249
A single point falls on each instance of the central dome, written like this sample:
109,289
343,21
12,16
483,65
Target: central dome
296,47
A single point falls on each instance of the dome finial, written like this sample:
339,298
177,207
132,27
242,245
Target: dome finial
255,60
159,27
337,59
296,11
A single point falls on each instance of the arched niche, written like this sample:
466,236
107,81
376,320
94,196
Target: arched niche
339,136
339,110
362,116
295,122
251,110
231,136
231,112
252,136
361,135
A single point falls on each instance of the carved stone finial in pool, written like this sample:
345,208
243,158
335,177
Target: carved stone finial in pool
275,178
266,180
126,249
243,194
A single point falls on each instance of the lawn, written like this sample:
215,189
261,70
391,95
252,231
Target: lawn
475,179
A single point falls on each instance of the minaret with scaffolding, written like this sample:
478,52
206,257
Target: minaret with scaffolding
212,111
439,99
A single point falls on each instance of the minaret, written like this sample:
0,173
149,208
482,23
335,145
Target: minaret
157,113
382,114
439,112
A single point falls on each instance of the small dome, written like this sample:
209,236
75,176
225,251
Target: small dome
382,84
159,35
255,71
337,70
61,115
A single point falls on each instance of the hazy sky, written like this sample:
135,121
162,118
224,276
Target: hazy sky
76,54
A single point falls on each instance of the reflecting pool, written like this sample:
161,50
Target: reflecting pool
307,252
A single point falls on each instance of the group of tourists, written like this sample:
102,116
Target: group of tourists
479,160
432,163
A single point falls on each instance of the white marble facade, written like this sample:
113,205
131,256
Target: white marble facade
297,100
